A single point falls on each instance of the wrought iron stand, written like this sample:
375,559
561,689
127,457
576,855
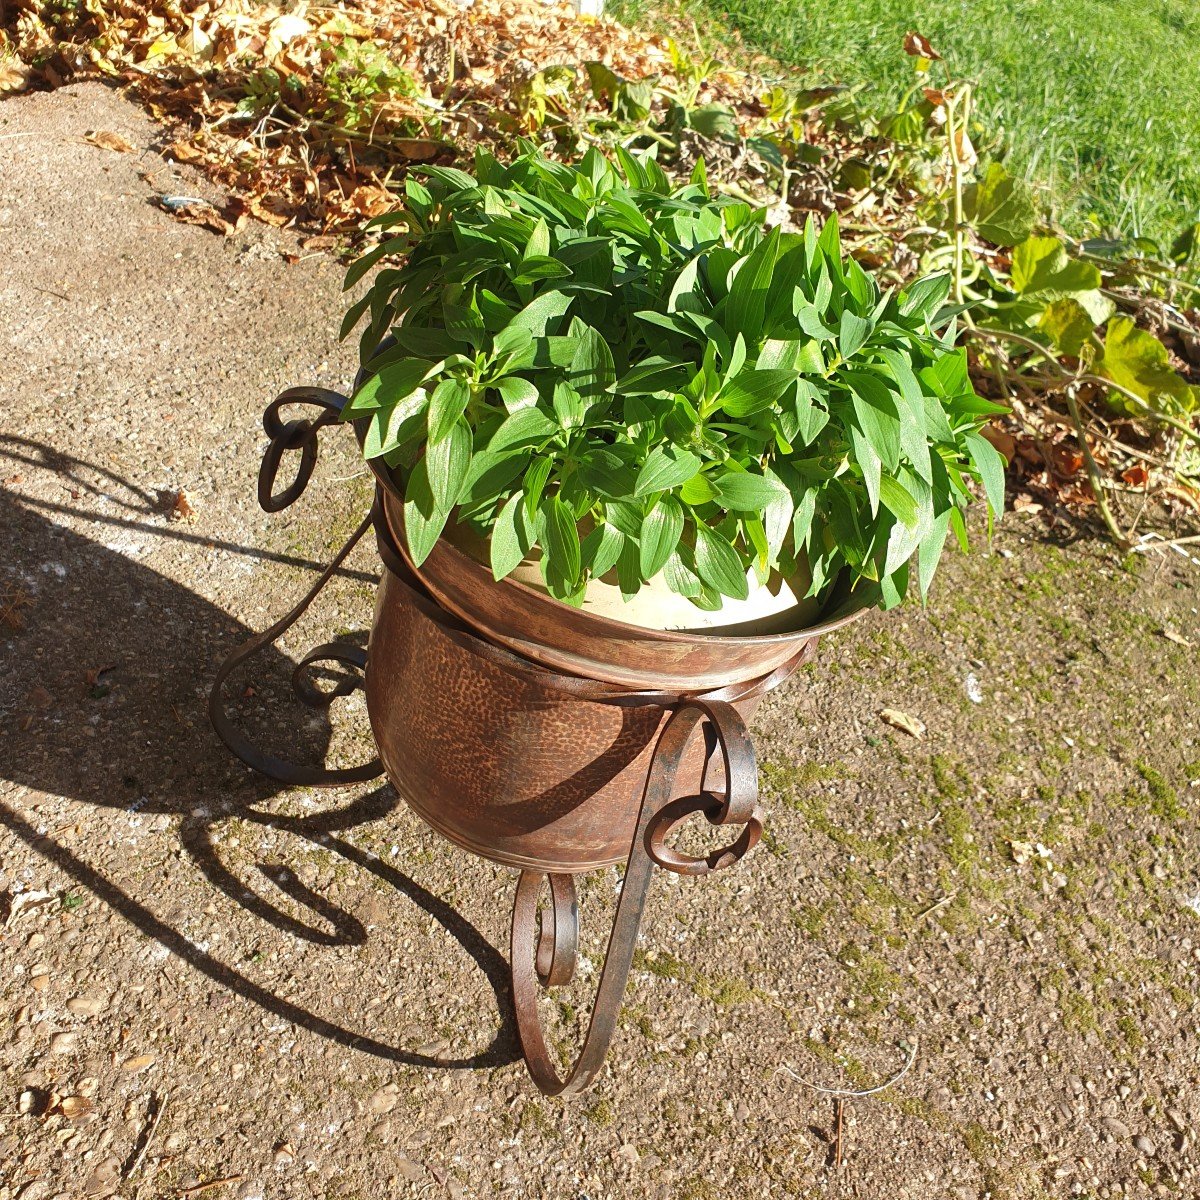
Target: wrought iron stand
545,941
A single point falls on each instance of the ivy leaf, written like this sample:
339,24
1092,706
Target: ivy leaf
666,467
1000,207
1067,324
718,564
661,529
1135,360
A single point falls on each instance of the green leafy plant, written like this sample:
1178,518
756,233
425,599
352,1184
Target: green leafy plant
636,377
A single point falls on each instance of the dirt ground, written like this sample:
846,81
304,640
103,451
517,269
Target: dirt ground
213,986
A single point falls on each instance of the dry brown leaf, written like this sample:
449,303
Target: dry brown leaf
1002,440
182,509
1136,476
138,1063
919,47
108,140
14,76
183,151
901,720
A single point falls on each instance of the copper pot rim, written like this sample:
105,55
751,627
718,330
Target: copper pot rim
393,503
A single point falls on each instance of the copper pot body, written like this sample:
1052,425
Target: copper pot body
500,763
499,758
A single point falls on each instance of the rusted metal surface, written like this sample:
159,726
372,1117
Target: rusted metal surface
513,756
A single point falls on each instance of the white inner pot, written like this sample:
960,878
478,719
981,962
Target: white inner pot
779,606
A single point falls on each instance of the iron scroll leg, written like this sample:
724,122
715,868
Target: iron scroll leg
300,435
545,950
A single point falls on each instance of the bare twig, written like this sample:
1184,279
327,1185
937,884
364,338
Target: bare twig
159,1106
837,1134
214,1183
850,1092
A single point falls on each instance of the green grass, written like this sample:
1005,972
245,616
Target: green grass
1098,100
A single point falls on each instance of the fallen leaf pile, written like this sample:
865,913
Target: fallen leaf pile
313,113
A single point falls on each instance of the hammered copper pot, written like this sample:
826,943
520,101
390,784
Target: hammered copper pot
497,753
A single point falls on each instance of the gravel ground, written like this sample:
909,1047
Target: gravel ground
213,986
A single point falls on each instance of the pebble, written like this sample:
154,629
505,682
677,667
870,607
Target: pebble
62,1043
1144,1145
85,1006
138,1063
384,1099
1117,1128
40,983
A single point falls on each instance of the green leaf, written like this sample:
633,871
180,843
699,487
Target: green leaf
661,529
591,372
517,393
391,427
1135,360
1000,207
560,537
746,304
536,476
697,490
510,539
448,403
525,427
718,564
424,519
741,491
447,463
680,578
532,270
752,390
665,468
512,340
924,297
990,466
542,312
897,500
601,549
389,386
877,415
852,334
929,553
1067,324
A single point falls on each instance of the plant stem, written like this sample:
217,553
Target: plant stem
1094,473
